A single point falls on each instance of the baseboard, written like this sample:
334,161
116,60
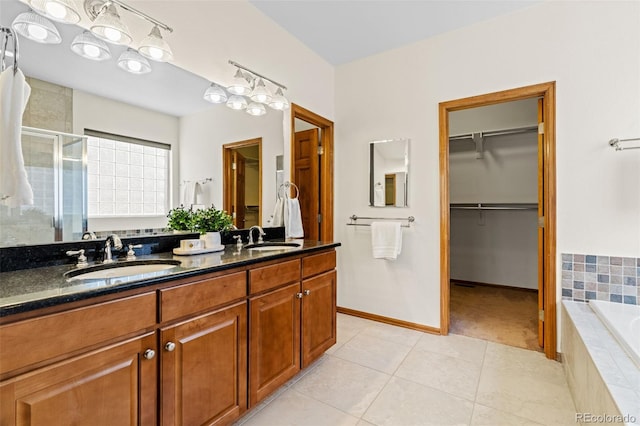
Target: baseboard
476,283
387,320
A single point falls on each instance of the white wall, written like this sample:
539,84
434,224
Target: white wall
202,136
592,51
106,115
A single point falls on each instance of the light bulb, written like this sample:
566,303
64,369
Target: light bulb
155,53
56,10
91,50
113,35
37,32
134,66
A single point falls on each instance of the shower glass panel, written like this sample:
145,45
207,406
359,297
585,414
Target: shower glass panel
55,165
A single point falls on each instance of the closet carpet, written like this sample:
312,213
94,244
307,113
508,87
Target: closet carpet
498,314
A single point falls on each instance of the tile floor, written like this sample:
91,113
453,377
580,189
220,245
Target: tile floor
378,374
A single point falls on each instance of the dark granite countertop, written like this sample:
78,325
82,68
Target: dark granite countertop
30,289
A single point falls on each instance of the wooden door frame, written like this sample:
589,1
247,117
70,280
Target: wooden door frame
326,164
227,177
546,91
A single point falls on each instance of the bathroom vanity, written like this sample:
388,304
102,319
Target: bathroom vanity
200,345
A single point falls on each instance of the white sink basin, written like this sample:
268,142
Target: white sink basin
272,246
102,272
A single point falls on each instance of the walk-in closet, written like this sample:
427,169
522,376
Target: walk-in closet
493,193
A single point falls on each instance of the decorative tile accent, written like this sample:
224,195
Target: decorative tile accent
613,278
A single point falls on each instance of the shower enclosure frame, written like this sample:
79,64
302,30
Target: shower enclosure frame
58,167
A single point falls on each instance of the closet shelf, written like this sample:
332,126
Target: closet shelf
493,206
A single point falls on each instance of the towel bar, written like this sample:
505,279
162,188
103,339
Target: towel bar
354,218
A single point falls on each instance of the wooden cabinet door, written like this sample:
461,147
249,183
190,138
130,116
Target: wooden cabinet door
116,385
274,340
204,369
318,316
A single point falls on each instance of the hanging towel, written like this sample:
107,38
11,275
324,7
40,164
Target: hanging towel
278,213
386,239
190,196
292,218
378,194
15,189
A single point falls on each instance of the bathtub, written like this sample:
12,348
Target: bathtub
623,321
603,374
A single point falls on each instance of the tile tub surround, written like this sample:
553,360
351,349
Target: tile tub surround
379,374
602,377
610,278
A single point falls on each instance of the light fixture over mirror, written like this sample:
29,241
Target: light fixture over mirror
155,47
65,11
248,83
109,27
91,47
388,173
133,62
36,28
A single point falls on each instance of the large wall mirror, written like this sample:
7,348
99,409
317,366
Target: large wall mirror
388,173
71,94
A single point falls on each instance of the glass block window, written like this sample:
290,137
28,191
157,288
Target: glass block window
126,176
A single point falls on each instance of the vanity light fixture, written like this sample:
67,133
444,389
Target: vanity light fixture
279,102
155,47
237,102
260,93
241,84
36,27
65,11
91,47
256,109
109,27
249,83
133,62
215,94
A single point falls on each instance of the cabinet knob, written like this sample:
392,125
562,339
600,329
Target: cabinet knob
307,292
170,346
149,354
299,295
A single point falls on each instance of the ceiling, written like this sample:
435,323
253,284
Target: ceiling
346,30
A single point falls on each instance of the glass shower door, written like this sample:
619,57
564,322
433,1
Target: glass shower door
55,165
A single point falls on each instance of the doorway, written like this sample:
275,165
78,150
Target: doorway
545,206
312,171
242,186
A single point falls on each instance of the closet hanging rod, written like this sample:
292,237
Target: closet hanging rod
354,218
616,144
493,206
513,131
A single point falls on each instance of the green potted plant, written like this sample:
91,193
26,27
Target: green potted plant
210,222
180,219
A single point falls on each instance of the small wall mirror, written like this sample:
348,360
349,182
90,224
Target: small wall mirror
388,172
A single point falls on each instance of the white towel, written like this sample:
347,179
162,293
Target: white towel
378,194
292,219
386,239
278,213
15,189
190,196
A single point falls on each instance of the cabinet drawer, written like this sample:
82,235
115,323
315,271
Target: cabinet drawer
177,302
268,277
318,263
36,340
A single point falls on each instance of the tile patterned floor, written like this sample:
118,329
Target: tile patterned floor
383,375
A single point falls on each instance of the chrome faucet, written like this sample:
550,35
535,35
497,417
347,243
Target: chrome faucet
260,235
112,241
